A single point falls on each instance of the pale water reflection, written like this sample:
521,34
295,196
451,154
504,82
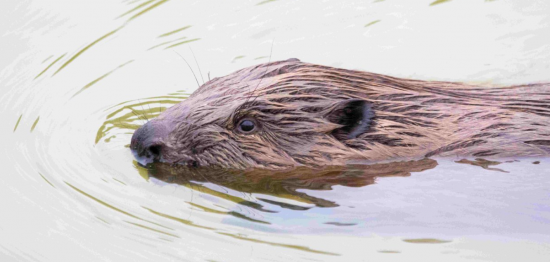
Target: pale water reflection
79,76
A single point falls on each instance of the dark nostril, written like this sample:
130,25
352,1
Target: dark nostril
155,150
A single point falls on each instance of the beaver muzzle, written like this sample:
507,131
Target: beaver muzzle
149,144
146,146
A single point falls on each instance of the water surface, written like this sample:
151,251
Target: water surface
78,78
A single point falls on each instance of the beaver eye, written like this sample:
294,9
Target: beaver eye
247,126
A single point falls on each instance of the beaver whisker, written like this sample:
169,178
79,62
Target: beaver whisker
200,72
266,68
136,114
144,115
149,106
189,68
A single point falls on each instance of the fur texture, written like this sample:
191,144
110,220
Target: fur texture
292,104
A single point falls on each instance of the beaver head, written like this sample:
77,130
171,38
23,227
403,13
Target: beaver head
289,113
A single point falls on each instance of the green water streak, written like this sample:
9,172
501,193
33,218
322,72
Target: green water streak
119,181
17,124
100,78
112,207
86,48
175,31
167,42
44,61
231,213
181,43
265,2
148,9
103,220
426,241
48,67
34,125
136,8
372,23
439,2
46,180
152,229
302,248
388,251
237,58
180,220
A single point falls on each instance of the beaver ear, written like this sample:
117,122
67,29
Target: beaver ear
355,117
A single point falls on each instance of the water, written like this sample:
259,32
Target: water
75,75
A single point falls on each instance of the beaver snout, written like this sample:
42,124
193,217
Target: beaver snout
150,144
146,145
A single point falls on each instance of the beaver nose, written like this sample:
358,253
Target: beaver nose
146,144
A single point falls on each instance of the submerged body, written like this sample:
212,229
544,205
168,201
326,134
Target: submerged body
286,114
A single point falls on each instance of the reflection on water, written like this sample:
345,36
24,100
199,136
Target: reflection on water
483,163
426,241
286,184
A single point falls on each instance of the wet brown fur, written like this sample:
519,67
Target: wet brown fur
291,99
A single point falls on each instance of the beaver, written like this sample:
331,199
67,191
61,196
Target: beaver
287,114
